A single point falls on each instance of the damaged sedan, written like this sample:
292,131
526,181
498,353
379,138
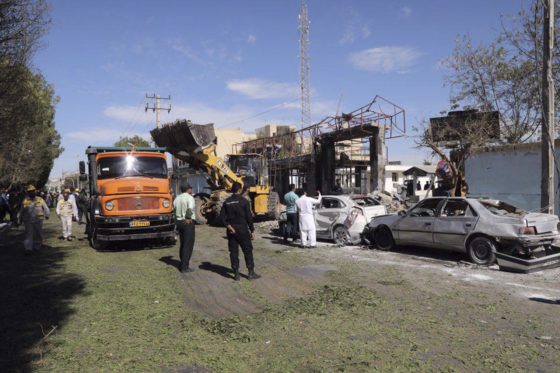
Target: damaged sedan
484,229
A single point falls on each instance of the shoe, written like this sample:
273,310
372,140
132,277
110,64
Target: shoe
236,276
253,275
187,270
70,239
61,237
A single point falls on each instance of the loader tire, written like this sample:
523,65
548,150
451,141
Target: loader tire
200,208
274,206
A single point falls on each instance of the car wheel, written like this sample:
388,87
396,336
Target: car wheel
341,236
482,251
384,239
97,244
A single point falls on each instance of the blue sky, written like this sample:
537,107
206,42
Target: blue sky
227,61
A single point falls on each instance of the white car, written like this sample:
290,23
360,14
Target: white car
342,218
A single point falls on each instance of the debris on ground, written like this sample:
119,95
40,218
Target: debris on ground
393,204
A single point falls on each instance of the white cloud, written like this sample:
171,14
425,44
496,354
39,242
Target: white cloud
405,12
251,39
385,59
187,51
355,28
102,135
130,114
263,89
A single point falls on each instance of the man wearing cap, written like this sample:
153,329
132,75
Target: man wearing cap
184,206
66,209
33,211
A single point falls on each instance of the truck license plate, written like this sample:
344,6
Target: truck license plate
139,223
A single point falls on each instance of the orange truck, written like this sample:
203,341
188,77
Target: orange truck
130,195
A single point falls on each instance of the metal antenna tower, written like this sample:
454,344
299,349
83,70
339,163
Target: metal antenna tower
304,67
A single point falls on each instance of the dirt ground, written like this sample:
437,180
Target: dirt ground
327,309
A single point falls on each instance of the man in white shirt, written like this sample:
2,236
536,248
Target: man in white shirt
307,219
66,209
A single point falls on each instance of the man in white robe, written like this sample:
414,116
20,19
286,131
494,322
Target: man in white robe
307,219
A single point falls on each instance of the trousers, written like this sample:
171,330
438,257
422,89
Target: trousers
81,212
308,234
291,225
66,225
33,235
243,239
186,242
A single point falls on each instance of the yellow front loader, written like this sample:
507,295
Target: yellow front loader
196,145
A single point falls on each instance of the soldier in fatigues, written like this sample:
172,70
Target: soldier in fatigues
65,209
237,217
33,211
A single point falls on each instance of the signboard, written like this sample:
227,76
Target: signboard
457,124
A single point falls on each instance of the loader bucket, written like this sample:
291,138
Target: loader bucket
183,136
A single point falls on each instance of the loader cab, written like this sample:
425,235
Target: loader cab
253,168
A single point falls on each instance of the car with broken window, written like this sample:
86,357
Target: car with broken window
482,228
342,218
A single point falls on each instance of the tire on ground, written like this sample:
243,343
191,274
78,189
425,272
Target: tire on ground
384,238
200,203
341,236
481,250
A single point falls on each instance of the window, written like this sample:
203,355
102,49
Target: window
427,207
331,203
395,177
457,207
110,167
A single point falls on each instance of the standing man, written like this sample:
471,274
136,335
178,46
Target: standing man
82,201
236,215
34,210
66,209
184,206
307,219
337,187
291,214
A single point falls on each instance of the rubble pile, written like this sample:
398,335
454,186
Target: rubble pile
392,204
267,226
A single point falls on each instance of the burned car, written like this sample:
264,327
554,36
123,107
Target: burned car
342,218
482,228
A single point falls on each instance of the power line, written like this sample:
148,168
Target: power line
157,108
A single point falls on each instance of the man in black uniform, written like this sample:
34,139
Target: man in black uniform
237,217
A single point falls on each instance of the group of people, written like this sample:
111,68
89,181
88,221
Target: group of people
235,215
35,207
299,214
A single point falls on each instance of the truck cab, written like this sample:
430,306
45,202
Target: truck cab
130,195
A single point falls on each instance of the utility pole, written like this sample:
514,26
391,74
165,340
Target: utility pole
548,123
157,107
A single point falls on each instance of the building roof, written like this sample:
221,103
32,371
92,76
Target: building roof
423,170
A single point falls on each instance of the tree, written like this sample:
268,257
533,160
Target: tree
137,141
503,75
28,138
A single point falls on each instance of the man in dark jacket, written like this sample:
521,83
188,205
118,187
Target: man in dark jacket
237,217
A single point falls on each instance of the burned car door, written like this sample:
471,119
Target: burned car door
328,214
416,227
456,220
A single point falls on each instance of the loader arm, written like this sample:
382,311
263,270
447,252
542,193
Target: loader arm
196,144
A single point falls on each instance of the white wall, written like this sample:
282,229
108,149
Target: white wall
512,175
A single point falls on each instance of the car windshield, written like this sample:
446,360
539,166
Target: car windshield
365,201
502,208
111,167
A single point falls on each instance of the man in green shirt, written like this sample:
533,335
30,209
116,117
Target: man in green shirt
184,206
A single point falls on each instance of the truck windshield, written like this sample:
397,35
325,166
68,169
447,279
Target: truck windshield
129,165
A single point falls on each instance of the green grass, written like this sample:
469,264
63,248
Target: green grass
128,311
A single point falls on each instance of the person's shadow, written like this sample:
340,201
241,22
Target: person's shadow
171,262
218,269
545,300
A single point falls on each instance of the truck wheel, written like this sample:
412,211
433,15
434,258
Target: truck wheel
200,208
384,239
341,236
97,244
274,206
482,251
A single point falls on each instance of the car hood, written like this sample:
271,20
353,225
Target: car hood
389,220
